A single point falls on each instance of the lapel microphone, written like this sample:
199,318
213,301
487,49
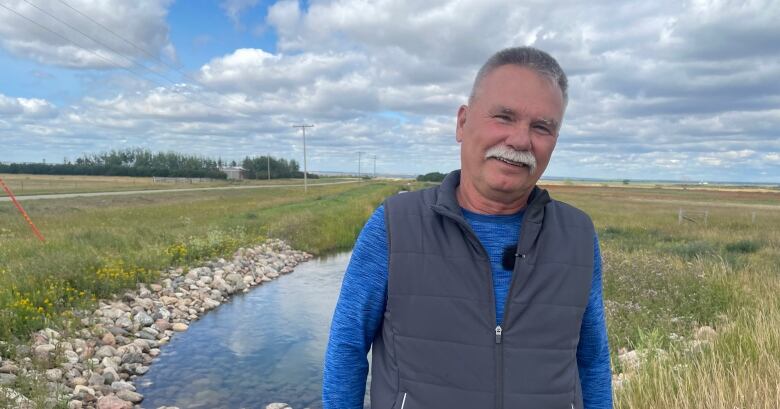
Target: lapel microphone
509,256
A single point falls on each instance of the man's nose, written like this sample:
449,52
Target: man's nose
519,138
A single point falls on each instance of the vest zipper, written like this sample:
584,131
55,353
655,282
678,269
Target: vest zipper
403,402
499,369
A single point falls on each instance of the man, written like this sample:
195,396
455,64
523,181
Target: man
481,292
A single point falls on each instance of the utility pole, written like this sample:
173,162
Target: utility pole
303,128
360,154
374,166
269,166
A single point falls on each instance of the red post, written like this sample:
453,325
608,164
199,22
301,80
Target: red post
21,209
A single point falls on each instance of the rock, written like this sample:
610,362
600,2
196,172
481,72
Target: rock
130,396
54,375
18,400
132,358
180,327
143,345
44,350
96,379
141,370
161,325
124,322
83,392
143,319
110,362
50,333
234,278
113,402
630,360
105,351
210,304
75,404
110,375
143,292
9,367
118,332
705,333
108,339
7,379
71,357
148,333
277,405
122,386
78,381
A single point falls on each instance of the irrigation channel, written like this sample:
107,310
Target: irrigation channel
264,346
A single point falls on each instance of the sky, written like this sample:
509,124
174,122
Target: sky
662,90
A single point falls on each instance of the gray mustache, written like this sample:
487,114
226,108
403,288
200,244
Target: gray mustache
504,152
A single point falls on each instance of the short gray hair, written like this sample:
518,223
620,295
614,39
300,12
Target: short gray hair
528,57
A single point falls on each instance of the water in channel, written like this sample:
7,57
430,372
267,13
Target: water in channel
263,346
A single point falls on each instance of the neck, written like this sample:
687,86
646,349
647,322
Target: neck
472,200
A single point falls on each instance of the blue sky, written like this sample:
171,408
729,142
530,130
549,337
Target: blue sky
661,90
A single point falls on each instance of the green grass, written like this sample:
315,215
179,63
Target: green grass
97,247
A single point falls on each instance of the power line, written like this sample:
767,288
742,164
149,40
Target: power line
143,50
71,41
101,57
129,59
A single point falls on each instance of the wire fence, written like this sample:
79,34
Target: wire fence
702,217
158,179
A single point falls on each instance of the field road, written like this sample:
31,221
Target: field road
711,203
143,192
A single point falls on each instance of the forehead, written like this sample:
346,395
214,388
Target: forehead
520,89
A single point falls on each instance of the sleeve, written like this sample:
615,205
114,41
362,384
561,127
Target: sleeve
356,319
593,349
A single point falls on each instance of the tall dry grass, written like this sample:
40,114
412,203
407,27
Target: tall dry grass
664,281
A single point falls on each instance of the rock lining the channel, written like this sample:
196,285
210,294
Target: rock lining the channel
114,345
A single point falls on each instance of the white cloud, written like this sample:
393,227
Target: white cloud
29,108
141,22
657,90
234,8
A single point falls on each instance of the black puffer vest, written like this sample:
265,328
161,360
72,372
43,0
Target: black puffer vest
439,346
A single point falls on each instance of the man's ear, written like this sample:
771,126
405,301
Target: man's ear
462,111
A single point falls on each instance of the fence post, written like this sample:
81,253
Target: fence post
753,218
706,215
679,216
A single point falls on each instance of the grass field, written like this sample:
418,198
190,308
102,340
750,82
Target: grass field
665,282
98,246
49,184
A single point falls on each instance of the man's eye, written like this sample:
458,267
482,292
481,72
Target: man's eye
543,129
502,117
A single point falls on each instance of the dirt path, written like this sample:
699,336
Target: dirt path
141,192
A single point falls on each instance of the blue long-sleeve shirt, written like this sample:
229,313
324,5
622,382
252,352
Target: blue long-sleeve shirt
361,306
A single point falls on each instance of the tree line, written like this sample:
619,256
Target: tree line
258,168
145,163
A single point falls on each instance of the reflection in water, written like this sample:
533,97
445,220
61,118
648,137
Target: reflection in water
264,346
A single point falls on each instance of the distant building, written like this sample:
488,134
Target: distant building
233,172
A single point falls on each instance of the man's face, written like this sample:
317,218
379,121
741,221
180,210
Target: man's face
515,108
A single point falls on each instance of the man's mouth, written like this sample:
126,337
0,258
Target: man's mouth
511,162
